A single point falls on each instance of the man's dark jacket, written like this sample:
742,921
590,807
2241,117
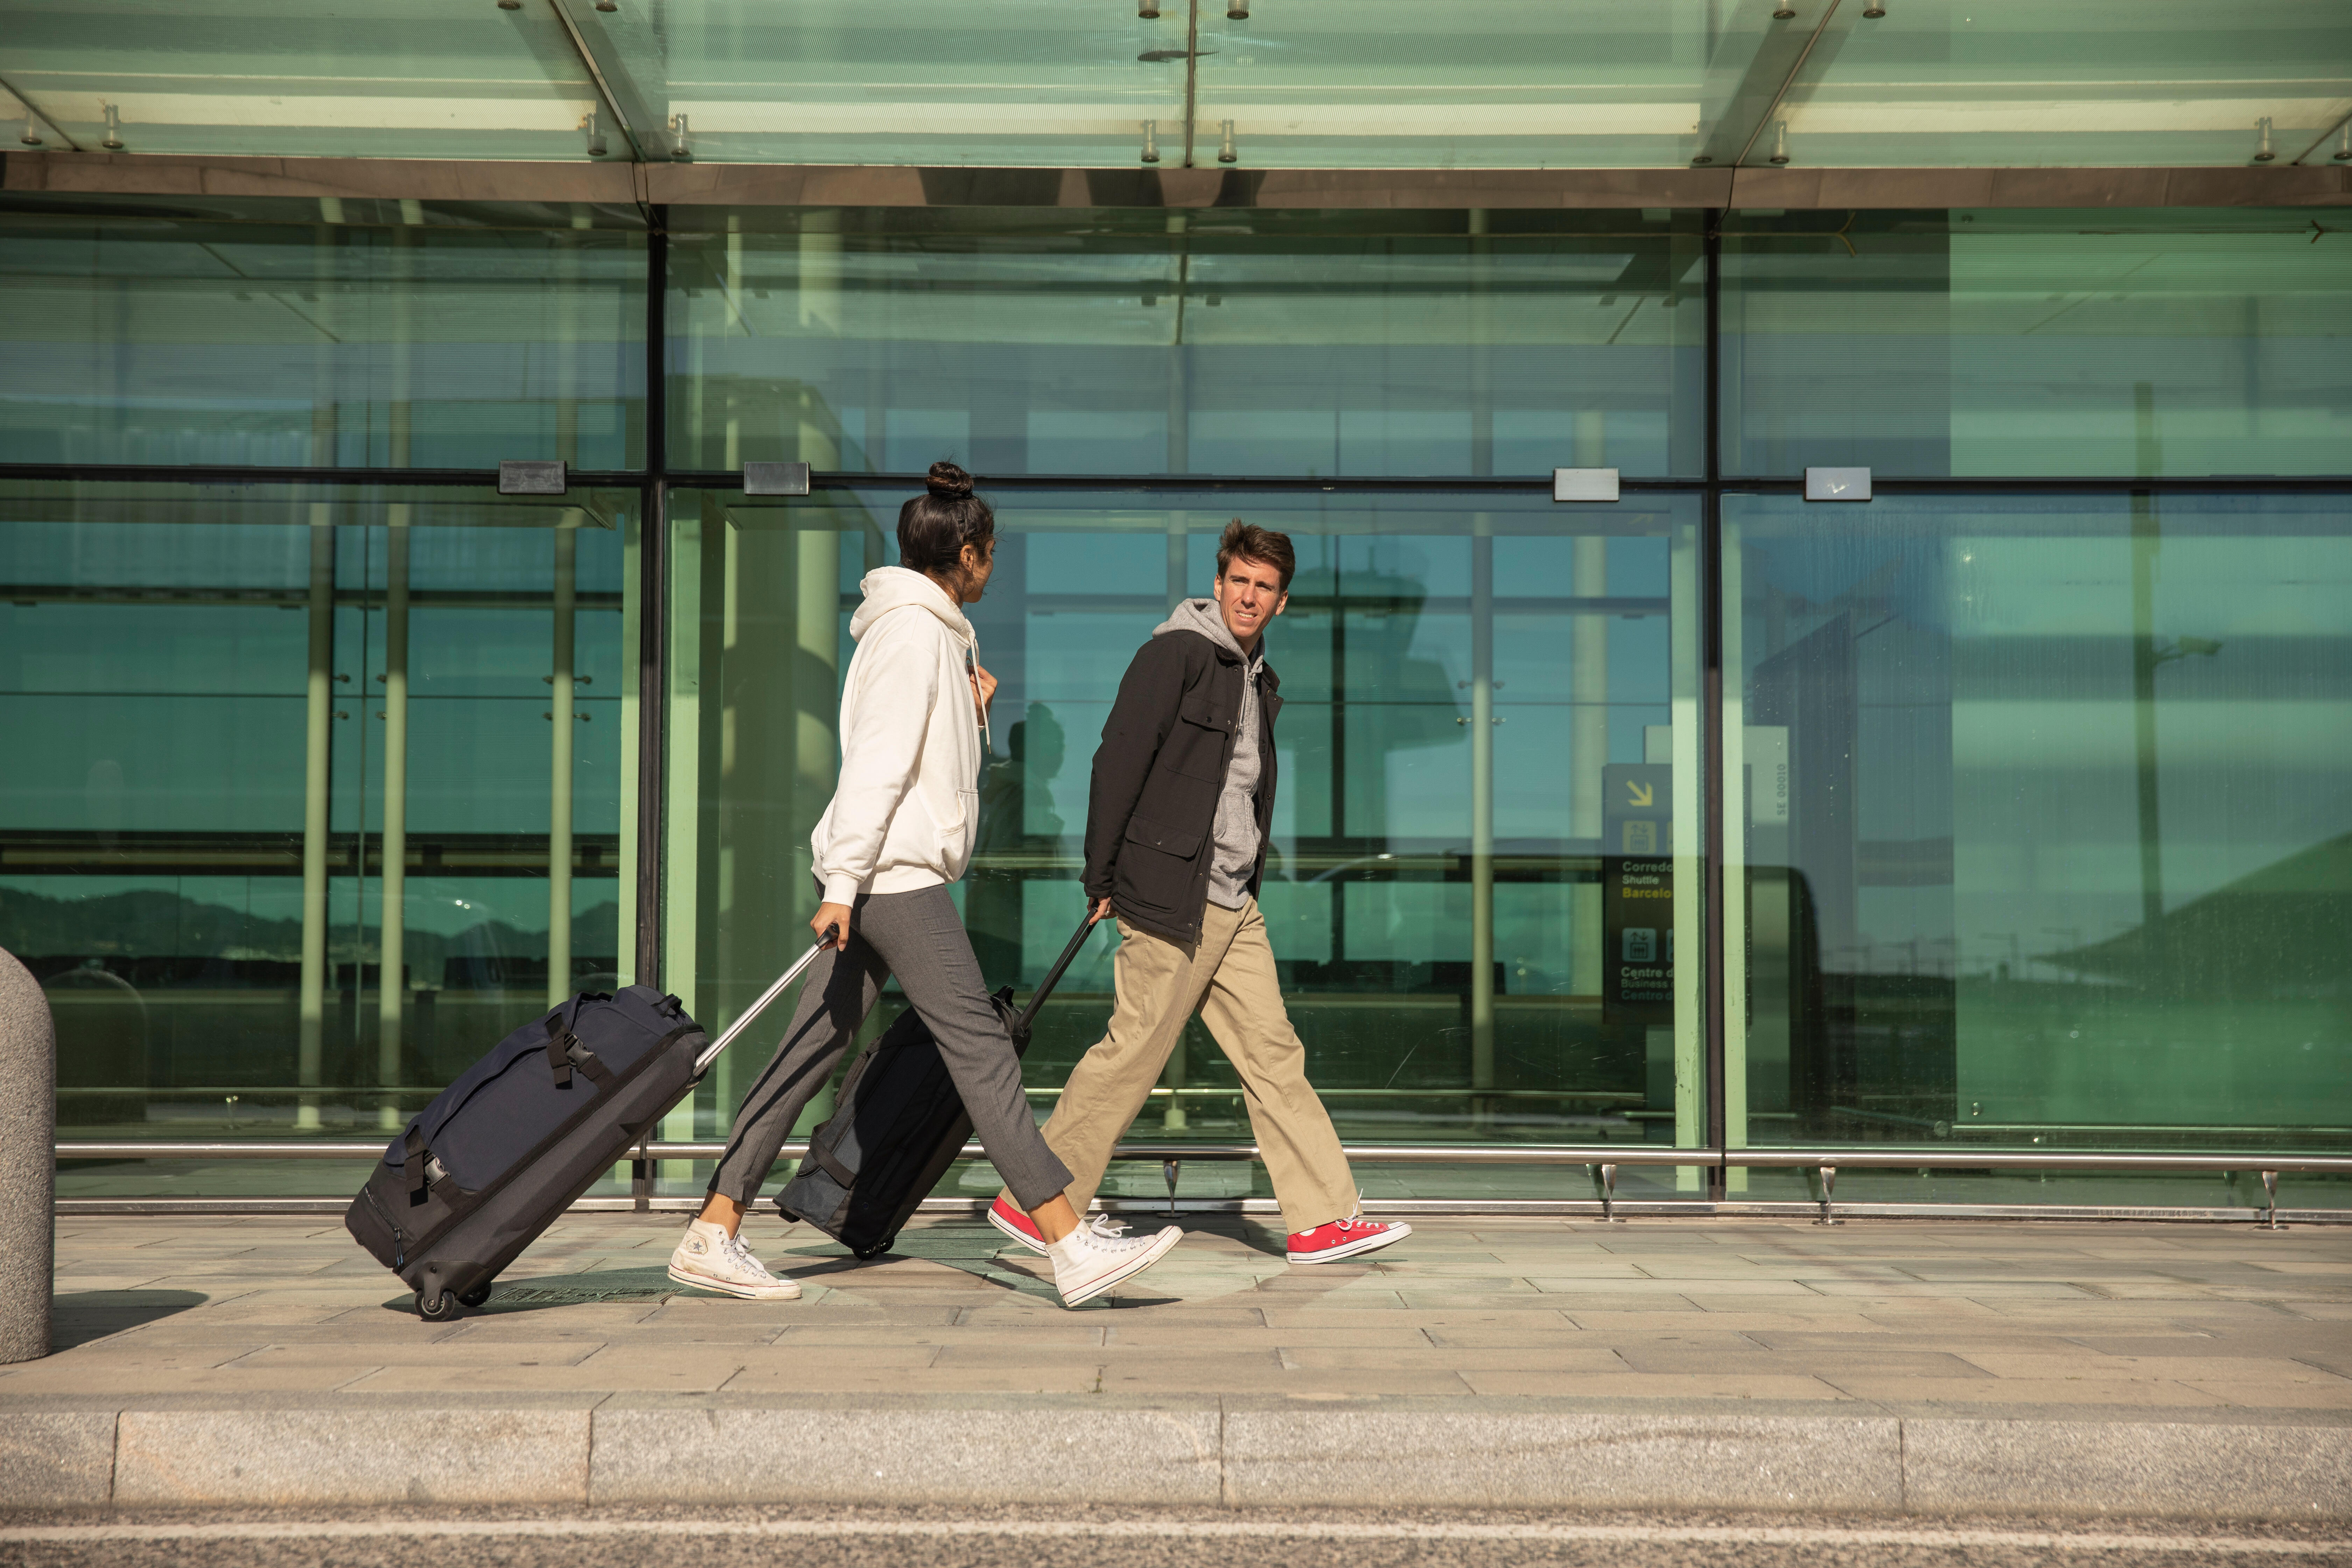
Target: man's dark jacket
1152,809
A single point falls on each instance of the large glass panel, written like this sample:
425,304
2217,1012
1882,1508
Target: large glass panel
320,333
2021,342
1483,889
1397,84
2008,84
2042,809
272,744
429,79
1224,342
1054,82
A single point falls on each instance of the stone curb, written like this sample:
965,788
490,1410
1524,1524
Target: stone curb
1235,1453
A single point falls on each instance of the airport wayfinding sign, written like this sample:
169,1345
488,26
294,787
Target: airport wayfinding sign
1637,893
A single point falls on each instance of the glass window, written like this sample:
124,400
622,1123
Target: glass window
1482,884
2021,343
1216,343
436,78
274,743
2044,825
320,334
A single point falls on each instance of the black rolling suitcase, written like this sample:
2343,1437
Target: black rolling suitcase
897,1128
501,1153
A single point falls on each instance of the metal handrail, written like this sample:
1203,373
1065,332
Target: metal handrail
1602,1159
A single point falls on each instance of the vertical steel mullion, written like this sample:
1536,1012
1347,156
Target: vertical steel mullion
1711,753
652,618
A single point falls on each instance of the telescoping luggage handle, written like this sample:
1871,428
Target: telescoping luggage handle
1054,975
745,1019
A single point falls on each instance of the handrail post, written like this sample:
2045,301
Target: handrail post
1828,1185
1169,1170
2270,1193
1604,1185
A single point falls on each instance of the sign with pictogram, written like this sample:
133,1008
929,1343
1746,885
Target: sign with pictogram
1637,893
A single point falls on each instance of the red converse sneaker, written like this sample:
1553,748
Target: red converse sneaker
1342,1239
1016,1225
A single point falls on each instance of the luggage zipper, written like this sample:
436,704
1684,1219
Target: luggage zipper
399,1236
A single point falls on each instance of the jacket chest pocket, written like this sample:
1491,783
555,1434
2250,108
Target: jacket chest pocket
1197,744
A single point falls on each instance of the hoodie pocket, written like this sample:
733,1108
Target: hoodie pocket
962,817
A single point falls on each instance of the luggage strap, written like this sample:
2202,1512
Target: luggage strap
827,1161
424,1170
566,1050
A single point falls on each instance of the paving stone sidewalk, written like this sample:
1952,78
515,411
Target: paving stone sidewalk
2216,1327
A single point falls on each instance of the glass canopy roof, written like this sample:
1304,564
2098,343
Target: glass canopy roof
1255,83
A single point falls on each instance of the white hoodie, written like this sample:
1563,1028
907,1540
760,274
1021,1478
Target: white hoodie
906,807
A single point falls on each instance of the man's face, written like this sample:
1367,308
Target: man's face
1249,595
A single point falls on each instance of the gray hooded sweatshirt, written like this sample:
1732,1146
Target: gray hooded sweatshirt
1235,858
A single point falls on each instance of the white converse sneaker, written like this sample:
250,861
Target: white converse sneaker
710,1259
1097,1256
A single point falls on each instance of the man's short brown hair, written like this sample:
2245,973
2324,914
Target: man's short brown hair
1255,543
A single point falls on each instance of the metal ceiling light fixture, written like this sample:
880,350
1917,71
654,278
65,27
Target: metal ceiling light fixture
596,147
114,142
1151,140
2265,155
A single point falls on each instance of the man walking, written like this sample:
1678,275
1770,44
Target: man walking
1176,832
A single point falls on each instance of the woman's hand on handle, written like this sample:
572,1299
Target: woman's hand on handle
831,925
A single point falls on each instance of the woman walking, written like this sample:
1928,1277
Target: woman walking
898,830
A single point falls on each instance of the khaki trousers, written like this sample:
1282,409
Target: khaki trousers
1229,978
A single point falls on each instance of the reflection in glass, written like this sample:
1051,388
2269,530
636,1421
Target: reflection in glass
275,744
2045,821
320,334
1218,342
1461,678
2022,342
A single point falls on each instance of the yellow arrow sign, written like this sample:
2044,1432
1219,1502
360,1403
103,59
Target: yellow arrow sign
1639,793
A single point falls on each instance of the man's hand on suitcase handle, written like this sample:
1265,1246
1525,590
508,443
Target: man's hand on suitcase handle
1099,911
831,925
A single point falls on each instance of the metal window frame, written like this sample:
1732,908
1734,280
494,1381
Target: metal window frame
897,187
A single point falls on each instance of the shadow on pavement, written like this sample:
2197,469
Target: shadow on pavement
86,1315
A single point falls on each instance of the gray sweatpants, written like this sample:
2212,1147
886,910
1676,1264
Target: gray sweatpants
917,937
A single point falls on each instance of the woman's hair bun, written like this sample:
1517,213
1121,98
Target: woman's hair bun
948,481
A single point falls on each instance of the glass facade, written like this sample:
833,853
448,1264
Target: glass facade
2020,782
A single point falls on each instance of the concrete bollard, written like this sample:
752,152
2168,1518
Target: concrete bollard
29,1165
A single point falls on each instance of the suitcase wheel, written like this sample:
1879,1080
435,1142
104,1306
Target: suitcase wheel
437,1307
474,1297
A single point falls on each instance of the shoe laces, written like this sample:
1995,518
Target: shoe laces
745,1259
1107,1228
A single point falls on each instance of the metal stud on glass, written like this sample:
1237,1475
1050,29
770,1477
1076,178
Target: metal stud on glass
596,148
1225,153
32,136
114,142
608,5
1875,9
2344,148
678,149
1779,143
2265,155
1148,10
1236,10
1151,140
1784,13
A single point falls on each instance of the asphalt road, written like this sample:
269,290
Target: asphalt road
1065,1538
